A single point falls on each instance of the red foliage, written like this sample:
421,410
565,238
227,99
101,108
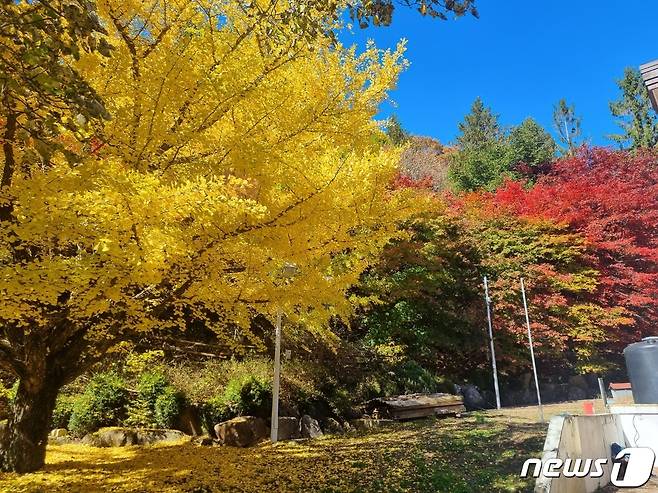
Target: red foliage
611,198
403,180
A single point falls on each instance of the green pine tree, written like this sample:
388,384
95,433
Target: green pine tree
634,113
479,128
484,158
531,144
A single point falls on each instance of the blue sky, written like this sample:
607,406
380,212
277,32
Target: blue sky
521,57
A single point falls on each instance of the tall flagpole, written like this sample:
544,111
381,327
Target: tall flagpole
532,352
491,342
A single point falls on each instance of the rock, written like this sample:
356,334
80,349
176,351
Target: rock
61,440
121,437
473,399
149,437
241,432
59,432
309,427
288,428
489,396
332,426
111,437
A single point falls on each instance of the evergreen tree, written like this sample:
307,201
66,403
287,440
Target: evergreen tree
567,125
532,148
634,113
479,128
484,157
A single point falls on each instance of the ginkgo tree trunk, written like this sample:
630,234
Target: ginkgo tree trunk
234,146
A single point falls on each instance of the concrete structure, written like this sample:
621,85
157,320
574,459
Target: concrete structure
639,425
573,437
591,437
650,76
622,392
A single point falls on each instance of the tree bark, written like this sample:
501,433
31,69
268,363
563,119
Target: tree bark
25,439
9,164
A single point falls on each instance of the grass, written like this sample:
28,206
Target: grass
482,452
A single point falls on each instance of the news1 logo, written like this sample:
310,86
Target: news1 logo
631,467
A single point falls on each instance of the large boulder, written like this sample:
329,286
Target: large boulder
333,427
288,428
243,431
111,437
309,427
473,399
121,437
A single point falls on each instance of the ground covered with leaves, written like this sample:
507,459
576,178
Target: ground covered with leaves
481,452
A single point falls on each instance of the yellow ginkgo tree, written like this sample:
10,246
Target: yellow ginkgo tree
235,143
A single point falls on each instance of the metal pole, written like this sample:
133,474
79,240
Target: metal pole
604,396
491,342
532,352
274,429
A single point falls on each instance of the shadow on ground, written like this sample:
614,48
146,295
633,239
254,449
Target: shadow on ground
475,454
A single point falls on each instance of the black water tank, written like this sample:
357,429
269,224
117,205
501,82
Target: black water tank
642,365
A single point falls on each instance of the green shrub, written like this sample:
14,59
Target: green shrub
150,386
101,404
246,395
249,396
140,414
214,411
157,404
168,406
63,411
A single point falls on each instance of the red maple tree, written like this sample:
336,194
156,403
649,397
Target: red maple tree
611,198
